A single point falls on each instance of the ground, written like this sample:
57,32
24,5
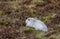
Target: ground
13,14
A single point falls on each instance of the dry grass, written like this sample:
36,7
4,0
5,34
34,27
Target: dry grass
13,14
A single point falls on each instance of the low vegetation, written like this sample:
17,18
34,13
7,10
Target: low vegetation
13,14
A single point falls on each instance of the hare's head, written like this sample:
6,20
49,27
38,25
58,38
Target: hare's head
30,21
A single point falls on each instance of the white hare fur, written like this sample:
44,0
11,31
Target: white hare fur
37,24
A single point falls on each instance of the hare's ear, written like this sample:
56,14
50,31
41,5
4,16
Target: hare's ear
35,18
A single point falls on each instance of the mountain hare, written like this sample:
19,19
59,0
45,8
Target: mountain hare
37,24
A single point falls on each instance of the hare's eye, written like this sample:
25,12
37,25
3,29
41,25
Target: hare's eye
29,19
